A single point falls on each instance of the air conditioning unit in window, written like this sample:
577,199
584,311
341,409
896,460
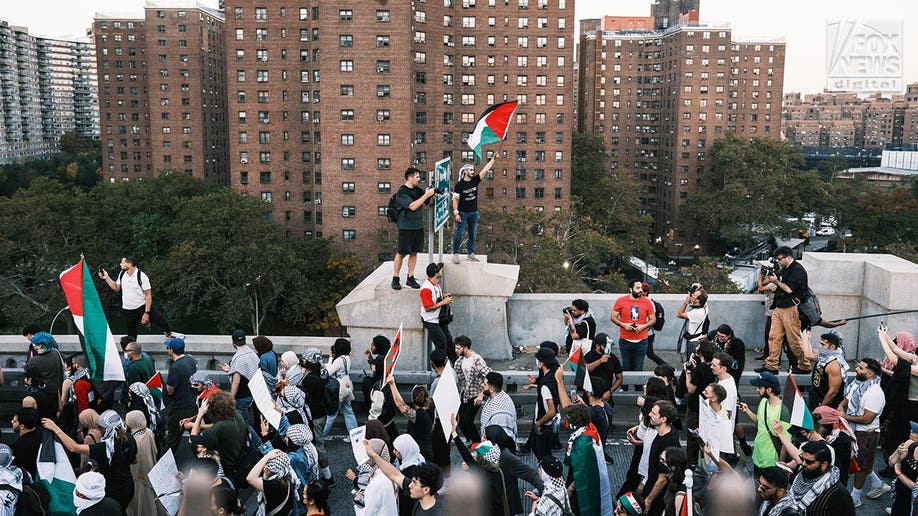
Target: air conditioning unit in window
380,94
380,118
318,201
244,161
344,214
380,69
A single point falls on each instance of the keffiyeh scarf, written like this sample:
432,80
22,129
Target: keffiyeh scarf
314,356
855,391
141,390
827,355
803,491
294,399
110,421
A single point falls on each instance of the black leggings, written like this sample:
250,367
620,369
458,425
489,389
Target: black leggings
439,336
650,354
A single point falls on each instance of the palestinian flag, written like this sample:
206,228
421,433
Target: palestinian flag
55,473
155,384
491,126
89,318
800,415
591,476
581,374
392,355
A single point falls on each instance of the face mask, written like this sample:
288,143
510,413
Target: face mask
82,504
538,365
126,357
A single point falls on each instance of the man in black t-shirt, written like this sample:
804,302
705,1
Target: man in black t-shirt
661,415
180,400
410,198
785,319
603,363
465,206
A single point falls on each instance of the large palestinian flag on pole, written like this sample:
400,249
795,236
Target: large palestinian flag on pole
491,126
89,318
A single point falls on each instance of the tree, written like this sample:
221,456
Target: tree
715,280
200,244
605,201
749,189
877,219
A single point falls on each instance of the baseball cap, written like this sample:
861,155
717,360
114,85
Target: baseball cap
766,379
238,337
914,426
547,355
552,466
176,344
433,268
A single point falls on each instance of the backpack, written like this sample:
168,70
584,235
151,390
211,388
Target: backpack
330,395
660,315
121,274
33,500
393,209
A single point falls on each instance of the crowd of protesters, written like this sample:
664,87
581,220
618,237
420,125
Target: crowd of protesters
232,459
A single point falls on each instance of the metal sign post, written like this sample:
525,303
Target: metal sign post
439,215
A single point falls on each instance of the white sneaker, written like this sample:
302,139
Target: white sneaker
857,501
879,491
888,510
174,335
455,258
472,258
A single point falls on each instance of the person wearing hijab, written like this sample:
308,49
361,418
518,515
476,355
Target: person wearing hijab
47,367
293,401
273,476
340,368
89,496
144,501
409,458
292,373
11,478
113,455
303,455
418,483
139,398
313,384
379,497
554,500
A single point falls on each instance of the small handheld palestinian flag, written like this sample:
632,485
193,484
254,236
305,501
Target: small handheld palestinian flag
155,384
392,355
581,374
492,126
800,415
89,318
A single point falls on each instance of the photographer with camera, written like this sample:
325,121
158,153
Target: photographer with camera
410,198
579,323
465,206
792,285
695,312
436,312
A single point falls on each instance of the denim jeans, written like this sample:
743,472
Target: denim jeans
350,420
470,220
632,354
243,405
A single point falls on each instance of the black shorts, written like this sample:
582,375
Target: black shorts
410,241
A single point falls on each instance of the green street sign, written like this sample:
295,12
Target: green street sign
442,202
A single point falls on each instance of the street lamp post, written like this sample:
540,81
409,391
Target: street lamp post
695,252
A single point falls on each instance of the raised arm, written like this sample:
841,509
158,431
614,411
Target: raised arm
385,466
254,477
68,442
397,396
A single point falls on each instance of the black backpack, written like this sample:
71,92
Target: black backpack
330,395
660,315
121,274
393,209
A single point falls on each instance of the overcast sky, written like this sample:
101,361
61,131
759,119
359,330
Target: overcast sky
801,23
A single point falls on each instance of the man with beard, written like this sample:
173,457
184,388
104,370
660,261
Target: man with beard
579,322
732,345
772,489
633,314
816,490
863,403
661,415
767,449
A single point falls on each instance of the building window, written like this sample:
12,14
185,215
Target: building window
348,211
383,40
264,178
348,164
266,196
346,40
384,188
382,16
347,114
383,139
383,163
347,187
346,65
345,14
347,139
261,13
348,234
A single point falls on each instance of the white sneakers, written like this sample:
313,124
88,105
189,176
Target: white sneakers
879,491
472,258
456,258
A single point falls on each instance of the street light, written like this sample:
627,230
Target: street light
695,252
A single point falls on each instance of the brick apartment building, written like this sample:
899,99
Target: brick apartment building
330,102
47,88
660,90
162,89
846,120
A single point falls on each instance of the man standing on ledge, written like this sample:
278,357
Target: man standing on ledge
785,319
465,206
410,197
633,314
136,298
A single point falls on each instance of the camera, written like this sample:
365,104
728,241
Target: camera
691,289
566,310
771,268
432,184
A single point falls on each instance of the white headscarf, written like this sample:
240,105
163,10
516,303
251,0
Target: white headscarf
9,475
143,392
294,371
409,450
92,486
